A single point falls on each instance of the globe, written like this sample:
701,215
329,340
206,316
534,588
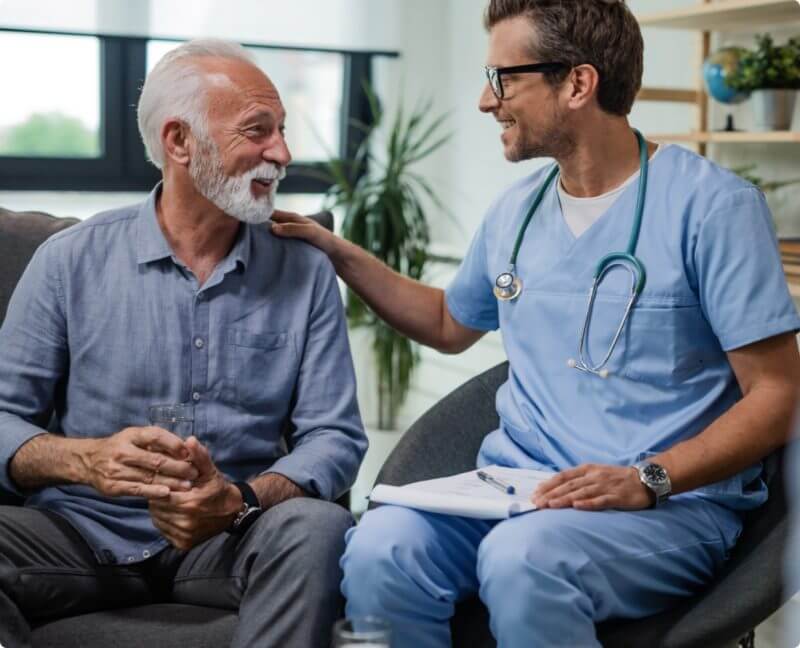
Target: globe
716,70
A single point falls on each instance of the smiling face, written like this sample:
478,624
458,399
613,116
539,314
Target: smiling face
237,165
533,120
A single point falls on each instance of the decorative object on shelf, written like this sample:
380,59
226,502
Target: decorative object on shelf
382,197
772,74
717,69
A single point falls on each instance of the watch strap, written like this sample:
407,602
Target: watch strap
249,496
251,509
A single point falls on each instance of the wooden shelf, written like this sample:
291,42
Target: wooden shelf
723,137
794,289
725,15
678,95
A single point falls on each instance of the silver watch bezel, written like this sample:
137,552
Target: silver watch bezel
661,489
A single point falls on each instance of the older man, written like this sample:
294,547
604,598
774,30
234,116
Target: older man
181,301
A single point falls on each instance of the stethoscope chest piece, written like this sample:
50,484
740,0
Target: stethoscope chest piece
507,286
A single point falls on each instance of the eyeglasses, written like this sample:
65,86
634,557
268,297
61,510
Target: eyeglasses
495,74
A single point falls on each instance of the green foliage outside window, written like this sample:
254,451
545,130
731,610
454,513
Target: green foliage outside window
50,135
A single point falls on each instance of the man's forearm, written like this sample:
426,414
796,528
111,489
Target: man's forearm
414,309
750,430
273,488
48,459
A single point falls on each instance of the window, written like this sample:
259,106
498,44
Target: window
55,110
72,123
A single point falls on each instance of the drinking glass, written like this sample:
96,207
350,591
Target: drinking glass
177,418
362,632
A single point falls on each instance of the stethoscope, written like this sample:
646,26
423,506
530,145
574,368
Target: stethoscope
508,286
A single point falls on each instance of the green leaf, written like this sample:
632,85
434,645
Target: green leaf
382,198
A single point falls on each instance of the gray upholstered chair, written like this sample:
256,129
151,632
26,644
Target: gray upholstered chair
445,441
166,625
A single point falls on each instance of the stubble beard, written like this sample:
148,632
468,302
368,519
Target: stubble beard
555,141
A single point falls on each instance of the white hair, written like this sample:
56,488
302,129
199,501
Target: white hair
177,89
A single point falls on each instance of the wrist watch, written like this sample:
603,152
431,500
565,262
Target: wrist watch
655,477
251,509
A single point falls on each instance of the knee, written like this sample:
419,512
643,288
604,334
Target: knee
312,518
527,558
379,546
310,528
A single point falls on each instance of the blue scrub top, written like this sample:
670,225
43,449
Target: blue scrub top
714,283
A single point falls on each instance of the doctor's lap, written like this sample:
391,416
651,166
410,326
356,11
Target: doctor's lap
549,574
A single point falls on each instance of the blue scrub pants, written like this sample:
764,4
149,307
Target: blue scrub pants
547,576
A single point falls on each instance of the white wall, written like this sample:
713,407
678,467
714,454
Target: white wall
342,24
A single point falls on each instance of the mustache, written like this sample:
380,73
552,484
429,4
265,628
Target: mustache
267,171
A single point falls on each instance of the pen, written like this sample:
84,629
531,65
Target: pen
492,481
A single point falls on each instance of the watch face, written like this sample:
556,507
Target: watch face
655,474
246,519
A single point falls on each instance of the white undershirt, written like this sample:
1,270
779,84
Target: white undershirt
581,213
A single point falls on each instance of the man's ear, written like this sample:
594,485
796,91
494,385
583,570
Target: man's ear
176,138
583,83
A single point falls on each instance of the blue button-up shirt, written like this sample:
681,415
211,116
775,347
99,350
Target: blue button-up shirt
106,322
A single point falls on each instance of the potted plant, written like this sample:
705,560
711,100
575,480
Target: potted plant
384,212
772,74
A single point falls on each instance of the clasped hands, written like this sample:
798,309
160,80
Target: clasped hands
188,498
594,487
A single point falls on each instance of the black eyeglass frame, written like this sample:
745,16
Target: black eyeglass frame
494,75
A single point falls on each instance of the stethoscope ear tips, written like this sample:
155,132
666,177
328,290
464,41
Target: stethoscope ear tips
571,363
603,373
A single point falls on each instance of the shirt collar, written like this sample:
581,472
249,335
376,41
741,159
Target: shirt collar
152,245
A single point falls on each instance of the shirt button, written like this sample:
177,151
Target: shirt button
196,396
145,554
201,296
131,558
198,342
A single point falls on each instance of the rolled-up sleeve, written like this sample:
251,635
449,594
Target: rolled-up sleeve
328,442
33,357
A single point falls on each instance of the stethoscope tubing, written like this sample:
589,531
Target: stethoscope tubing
508,286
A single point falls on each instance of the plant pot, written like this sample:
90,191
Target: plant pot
773,109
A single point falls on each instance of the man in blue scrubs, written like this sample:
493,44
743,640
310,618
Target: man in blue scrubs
654,462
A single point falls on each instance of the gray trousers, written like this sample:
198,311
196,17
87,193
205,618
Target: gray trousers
283,575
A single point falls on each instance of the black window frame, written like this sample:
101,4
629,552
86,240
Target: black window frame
123,165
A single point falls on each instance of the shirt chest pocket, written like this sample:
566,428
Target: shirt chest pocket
261,369
666,345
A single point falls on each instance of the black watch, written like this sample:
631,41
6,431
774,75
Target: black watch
656,478
251,509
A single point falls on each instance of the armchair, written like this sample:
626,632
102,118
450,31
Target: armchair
445,441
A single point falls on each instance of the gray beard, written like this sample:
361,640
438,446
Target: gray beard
230,195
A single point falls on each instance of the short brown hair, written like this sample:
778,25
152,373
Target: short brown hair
602,33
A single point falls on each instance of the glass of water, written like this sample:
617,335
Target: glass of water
362,632
177,418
